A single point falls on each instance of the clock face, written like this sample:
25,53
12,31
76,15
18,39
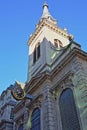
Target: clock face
18,93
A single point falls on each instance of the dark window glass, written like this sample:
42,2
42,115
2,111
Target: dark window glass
56,42
38,51
68,111
20,127
35,119
34,56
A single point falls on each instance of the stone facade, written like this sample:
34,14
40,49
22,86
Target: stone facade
7,103
54,71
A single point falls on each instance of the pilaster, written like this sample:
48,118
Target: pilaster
26,117
48,110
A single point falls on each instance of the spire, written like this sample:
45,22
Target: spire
46,14
45,11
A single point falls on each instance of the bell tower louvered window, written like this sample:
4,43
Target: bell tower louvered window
35,119
69,117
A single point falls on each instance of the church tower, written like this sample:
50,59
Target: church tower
57,81
54,96
46,39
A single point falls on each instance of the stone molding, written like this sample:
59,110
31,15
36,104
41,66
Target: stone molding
48,24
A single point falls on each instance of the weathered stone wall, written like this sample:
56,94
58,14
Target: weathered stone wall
80,89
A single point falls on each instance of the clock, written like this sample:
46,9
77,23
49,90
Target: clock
18,93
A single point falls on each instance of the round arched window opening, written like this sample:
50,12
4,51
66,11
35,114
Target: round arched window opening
68,112
58,43
35,120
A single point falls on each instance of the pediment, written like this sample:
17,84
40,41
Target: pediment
33,81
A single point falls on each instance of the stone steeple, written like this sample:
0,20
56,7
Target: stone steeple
45,42
46,14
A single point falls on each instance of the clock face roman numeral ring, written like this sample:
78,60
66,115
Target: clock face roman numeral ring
18,93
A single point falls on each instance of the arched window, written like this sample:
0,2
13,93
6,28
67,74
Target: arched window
58,43
35,119
68,111
20,127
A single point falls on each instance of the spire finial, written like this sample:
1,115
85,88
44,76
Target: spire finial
45,9
45,4
46,14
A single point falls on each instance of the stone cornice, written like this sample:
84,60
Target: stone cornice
49,25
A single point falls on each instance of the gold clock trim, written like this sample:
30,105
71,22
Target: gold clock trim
18,95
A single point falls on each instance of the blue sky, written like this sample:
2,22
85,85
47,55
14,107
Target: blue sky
18,19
